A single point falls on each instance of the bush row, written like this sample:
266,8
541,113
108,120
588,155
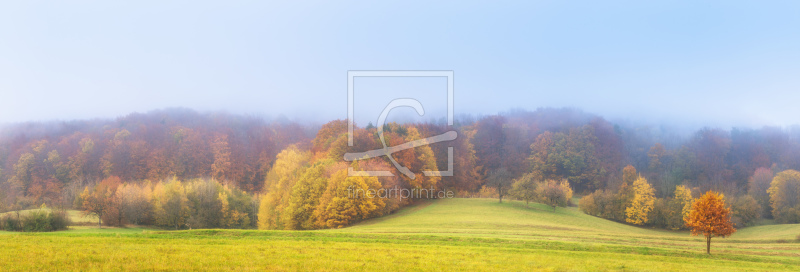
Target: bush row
36,221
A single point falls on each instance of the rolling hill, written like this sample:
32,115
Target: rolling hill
447,234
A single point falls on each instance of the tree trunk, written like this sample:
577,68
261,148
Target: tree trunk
99,222
501,198
708,244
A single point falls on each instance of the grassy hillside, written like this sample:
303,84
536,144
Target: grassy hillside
513,220
453,234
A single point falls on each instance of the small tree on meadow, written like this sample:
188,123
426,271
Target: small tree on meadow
500,179
524,188
710,217
554,193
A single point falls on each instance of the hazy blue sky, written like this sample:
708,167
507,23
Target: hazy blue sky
718,63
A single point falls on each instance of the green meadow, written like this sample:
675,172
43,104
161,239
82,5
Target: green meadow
441,235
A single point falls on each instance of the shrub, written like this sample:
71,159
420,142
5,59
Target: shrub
36,221
588,205
43,220
487,192
10,222
602,203
554,193
59,220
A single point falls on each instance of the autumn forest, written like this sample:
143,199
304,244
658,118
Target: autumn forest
181,169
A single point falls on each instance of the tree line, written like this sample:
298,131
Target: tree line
173,204
295,177
635,201
52,163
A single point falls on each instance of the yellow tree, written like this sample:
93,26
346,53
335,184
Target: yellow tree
624,196
349,199
278,187
679,207
135,203
231,218
170,204
784,196
642,202
684,196
305,198
265,209
710,217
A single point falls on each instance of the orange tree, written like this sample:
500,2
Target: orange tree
710,217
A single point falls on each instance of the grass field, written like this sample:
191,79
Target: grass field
452,234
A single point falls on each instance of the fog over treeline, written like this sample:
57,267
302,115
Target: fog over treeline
740,150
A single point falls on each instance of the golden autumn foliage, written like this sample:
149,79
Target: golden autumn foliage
310,190
554,193
642,202
710,217
170,204
784,196
683,196
231,218
348,200
679,207
305,198
135,203
327,134
278,186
